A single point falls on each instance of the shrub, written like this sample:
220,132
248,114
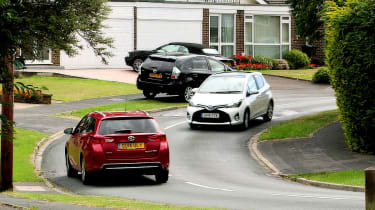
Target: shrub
296,59
350,54
322,76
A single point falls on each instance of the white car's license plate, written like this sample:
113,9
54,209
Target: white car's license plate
210,115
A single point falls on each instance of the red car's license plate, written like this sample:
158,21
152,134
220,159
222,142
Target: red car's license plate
140,145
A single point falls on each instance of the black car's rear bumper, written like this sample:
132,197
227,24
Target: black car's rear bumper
128,61
174,87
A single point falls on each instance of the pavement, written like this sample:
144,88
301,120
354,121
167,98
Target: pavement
325,151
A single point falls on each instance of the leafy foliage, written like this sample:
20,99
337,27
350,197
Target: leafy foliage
37,24
350,50
296,59
307,16
322,76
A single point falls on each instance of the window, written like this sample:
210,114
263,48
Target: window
43,56
222,33
216,66
200,63
267,36
81,125
174,48
251,85
139,125
260,81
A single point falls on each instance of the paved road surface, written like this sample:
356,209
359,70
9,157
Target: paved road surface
213,167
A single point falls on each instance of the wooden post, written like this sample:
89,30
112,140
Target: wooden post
370,188
7,126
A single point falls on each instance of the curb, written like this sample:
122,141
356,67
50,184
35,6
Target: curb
38,157
165,109
254,151
285,77
13,206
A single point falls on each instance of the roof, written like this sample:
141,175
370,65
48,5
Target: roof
276,1
116,114
188,44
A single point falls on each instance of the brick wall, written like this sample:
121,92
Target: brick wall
299,42
56,57
206,27
240,32
135,28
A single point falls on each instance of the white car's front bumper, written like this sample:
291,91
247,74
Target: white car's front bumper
235,116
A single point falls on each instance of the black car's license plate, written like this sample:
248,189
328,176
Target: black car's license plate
158,76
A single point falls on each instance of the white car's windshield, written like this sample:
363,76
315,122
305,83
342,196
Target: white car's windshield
224,85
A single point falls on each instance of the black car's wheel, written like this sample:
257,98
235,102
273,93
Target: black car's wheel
246,119
268,116
162,176
188,93
149,94
70,171
85,176
136,64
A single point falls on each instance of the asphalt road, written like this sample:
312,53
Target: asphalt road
214,168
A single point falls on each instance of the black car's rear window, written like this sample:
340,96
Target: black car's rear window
127,125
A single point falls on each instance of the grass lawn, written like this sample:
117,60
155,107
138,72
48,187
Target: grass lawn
24,143
101,201
300,127
350,177
72,89
306,74
131,105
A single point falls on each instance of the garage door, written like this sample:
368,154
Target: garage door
157,26
120,28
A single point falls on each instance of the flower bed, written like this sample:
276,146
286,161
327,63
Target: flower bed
248,63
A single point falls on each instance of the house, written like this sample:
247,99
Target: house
257,27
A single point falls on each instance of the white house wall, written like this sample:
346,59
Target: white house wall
120,28
157,26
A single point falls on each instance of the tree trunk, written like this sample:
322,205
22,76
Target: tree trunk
7,126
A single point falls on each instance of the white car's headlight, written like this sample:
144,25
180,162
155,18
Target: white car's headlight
192,104
234,105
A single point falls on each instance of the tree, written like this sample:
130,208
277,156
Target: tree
31,25
308,17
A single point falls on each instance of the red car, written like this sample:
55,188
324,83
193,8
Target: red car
117,141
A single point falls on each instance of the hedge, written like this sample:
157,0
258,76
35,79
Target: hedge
350,50
296,59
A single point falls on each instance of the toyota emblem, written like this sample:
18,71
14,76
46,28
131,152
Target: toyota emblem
131,138
154,70
210,108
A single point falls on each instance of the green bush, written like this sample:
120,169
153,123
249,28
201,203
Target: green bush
261,60
321,76
275,64
296,59
350,50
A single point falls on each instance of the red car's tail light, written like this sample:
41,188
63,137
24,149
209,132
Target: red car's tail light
161,138
100,140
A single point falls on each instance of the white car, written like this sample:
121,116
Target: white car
231,99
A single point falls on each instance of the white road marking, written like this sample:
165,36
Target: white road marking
313,196
176,124
207,187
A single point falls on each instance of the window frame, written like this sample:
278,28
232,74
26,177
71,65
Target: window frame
220,44
281,44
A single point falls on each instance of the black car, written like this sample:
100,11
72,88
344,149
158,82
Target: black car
176,74
136,58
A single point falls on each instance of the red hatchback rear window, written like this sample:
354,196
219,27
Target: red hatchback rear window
128,125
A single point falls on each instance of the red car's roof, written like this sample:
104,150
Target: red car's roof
114,114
